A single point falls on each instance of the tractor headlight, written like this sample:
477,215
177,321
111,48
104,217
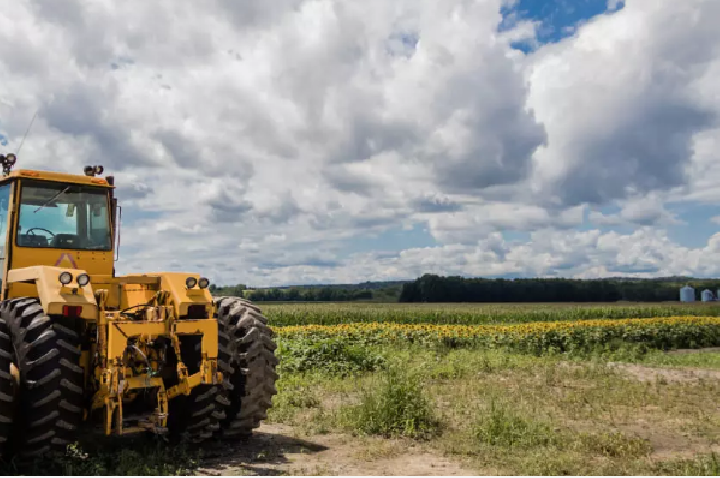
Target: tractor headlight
83,280
204,282
190,282
65,278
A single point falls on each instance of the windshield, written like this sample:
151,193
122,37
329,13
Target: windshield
63,216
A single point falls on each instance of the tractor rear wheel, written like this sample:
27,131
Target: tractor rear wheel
246,357
51,380
195,417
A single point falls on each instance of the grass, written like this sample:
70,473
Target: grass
394,406
507,413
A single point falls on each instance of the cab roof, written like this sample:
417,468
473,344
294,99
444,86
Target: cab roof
57,177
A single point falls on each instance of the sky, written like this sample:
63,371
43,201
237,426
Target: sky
330,141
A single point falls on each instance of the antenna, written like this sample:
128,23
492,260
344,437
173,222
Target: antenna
26,133
8,161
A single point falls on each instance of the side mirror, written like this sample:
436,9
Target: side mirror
70,210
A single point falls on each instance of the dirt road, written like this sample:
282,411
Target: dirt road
275,449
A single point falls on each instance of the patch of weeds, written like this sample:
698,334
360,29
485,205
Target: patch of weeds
330,355
615,350
508,431
613,445
618,351
395,406
294,393
501,426
701,465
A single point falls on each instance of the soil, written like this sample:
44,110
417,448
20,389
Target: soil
276,450
669,374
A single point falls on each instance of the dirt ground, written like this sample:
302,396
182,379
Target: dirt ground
669,374
275,449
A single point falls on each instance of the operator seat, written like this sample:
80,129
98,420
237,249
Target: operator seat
66,241
31,240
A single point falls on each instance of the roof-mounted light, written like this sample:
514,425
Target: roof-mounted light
7,162
94,170
204,283
190,282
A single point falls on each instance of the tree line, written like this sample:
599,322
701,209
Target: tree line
325,293
433,288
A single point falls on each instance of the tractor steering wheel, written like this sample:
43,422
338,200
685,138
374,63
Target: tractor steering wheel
39,229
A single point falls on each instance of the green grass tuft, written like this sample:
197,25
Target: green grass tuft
395,406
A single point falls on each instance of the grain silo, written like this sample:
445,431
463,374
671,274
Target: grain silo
706,295
687,294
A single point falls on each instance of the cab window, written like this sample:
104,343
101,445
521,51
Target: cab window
4,205
63,216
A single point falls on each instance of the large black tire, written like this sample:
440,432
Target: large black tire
50,399
7,385
246,357
195,417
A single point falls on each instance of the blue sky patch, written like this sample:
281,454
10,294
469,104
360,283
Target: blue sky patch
390,240
560,18
699,226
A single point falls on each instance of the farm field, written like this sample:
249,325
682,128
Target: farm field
467,389
302,313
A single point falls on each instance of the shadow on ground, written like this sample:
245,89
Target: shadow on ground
260,455
145,454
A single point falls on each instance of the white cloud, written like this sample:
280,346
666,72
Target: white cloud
260,138
622,101
588,254
639,211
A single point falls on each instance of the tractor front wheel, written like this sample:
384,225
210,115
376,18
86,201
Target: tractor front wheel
8,384
47,353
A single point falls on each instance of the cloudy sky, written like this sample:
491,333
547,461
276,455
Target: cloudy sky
318,141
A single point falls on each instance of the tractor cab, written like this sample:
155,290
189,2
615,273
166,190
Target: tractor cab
60,216
56,219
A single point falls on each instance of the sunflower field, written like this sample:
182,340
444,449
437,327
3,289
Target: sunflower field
537,337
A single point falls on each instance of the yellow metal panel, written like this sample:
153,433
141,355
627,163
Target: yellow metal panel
134,295
61,177
142,382
174,282
53,296
208,329
119,331
136,279
92,262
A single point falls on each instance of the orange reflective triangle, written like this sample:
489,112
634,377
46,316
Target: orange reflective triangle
66,256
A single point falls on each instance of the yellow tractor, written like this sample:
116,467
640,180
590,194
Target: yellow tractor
79,344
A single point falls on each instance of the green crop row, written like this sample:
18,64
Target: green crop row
285,314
